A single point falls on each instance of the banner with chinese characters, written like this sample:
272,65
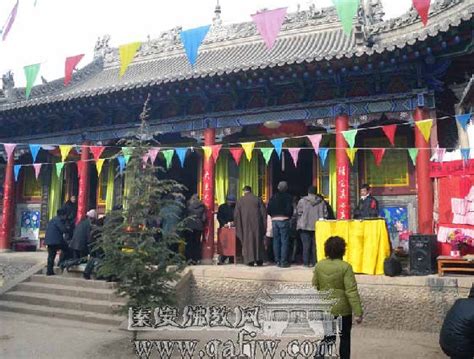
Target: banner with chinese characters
452,168
343,205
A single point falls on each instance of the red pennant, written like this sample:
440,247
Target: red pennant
389,131
97,151
71,63
378,155
215,151
236,154
423,8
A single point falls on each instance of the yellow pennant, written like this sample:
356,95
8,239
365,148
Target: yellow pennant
99,164
248,148
425,128
207,152
65,149
351,152
127,53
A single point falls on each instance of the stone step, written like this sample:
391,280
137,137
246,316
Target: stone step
74,282
62,302
61,313
66,290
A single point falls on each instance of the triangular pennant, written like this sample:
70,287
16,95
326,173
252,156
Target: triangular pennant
425,128
278,144
34,149
192,40
99,164
413,152
315,141
423,9
168,158
97,151
463,120
267,153
215,151
64,149
346,10
9,148
71,63
10,20
59,168
323,155
248,148
378,155
127,153
236,154
351,152
145,158
37,167
152,153
465,153
127,53
269,23
207,152
181,153
121,161
16,171
350,136
31,73
440,152
389,131
294,152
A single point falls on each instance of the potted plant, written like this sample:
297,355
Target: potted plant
459,242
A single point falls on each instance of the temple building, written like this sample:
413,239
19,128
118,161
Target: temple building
315,80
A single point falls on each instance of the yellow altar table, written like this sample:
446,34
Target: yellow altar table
368,243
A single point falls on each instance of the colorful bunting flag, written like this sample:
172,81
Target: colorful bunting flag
59,168
269,23
267,153
346,10
192,40
37,167
145,158
168,158
350,136
423,9
424,127
99,164
207,152
323,154
440,152
127,153
34,149
121,161
278,144
464,120
64,149
152,153
215,151
127,52
181,152
465,153
97,151
248,148
389,131
378,155
351,152
413,152
9,148
71,63
315,141
16,171
31,73
236,154
294,152
10,20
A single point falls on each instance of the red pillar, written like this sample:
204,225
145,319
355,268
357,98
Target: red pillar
208,198
8,213
423,180
83,195
343,170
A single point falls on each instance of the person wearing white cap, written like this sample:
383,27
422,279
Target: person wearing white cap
82,235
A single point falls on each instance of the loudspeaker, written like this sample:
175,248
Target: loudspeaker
423,253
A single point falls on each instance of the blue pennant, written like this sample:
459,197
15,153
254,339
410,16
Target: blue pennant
121,161
463,120
181,152
34,149
191,40
278,144
323,154
465,152
16,171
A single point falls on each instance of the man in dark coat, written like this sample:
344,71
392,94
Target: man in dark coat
70,207
368,206
225,217
82,236
250,224
457,333
54,239
194,224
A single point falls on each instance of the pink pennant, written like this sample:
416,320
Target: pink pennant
152,153
145,159
389,131
10,21
215,151
97,151
269,23
440,152
236,154
9,148
378,155
71,63
37,167
315,141
294,152
423,9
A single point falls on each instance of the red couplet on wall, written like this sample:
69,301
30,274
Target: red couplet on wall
343,170
208,197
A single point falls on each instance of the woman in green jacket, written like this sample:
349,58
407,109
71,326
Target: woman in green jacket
334,274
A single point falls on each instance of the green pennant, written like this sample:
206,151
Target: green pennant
267,153
31,72
350,136
59,168
413,152
346,10
127,153
168,157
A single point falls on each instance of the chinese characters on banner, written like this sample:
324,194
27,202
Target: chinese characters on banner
343,206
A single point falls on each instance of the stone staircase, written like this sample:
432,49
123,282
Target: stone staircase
65,296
